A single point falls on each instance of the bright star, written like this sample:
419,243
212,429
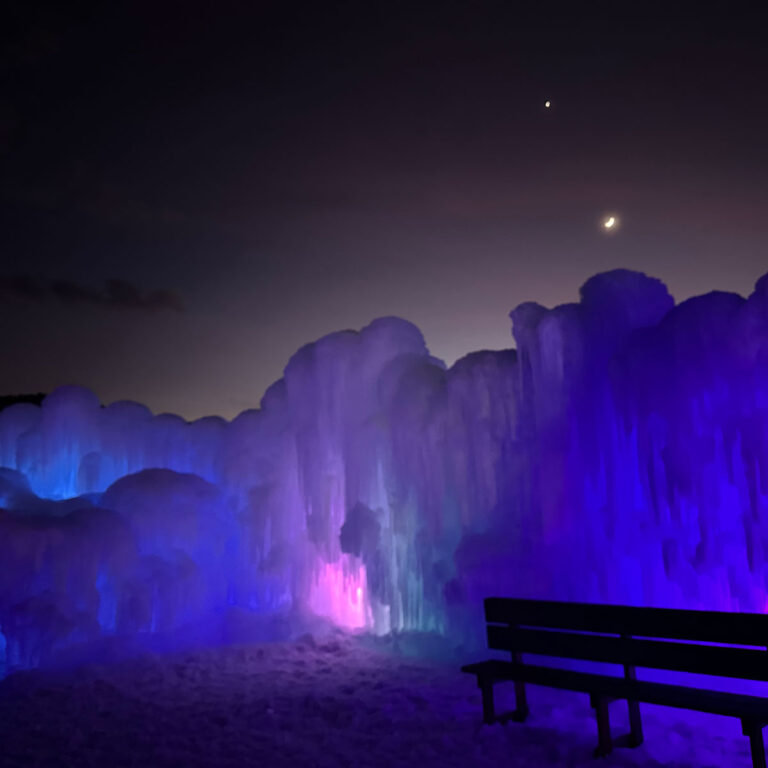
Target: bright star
610,222
547,104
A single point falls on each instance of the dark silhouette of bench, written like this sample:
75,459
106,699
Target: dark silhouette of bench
651,638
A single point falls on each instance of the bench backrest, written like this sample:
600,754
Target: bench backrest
632,636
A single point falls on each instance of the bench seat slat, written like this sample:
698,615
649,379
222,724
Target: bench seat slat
705,626
702,700
745,663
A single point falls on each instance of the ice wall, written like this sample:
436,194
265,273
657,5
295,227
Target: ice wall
620,453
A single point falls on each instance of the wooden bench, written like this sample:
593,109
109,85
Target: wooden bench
631,637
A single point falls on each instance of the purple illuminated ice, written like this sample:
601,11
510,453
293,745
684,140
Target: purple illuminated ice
620,453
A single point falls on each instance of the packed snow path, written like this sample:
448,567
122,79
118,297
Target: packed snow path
335,701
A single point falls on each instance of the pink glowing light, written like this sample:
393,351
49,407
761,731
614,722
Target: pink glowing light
338,592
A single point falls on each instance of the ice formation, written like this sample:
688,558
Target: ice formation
620,453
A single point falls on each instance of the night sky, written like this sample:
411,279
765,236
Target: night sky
189,192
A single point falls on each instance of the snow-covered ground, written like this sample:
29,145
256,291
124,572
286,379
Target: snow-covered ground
329,699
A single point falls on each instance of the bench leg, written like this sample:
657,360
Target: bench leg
755,732
635,737
604,743
635,724
489,713
521,703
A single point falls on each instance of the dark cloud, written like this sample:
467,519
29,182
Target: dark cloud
116,294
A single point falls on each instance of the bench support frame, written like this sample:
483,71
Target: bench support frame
521,700
635,737
486,688
604,743
628,636
754,730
